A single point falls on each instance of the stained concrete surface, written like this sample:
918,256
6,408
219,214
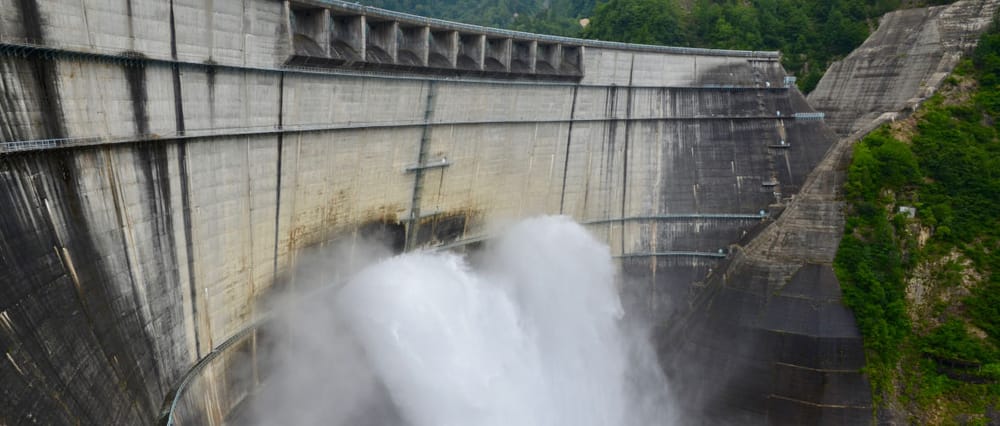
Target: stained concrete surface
192,175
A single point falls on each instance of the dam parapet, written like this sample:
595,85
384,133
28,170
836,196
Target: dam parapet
150,71
311,33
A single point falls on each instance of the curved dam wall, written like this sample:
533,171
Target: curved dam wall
164,165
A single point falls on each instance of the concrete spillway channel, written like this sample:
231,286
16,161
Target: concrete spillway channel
165,166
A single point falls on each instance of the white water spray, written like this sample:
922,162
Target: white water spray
534,338
534,335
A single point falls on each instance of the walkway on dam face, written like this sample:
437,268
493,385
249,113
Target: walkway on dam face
46,144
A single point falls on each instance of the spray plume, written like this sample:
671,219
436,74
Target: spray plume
534,335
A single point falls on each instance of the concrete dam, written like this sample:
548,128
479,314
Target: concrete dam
164,166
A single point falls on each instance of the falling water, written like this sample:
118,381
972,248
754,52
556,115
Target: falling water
532,338
532,335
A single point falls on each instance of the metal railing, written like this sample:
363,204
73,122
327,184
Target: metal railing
167,417
681,216
116,54
715,255
40,144
43,144
809,115
22,47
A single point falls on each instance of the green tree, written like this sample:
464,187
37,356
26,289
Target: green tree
810,33
637,21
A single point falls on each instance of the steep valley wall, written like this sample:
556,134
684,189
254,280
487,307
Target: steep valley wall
166,164
771,320
901,64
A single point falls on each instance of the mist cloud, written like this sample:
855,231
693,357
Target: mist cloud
533,334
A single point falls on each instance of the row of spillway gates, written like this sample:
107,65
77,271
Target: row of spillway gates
341,34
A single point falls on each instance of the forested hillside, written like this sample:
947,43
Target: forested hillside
810,33
926,289
557,17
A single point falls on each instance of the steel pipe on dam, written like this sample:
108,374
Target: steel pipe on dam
165,165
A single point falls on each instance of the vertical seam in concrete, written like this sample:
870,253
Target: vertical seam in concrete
182,170
569,139
131,25
628,122
8,111
210,83
46,77
176,75
31,21
188,234
116,198
249,247
277,190
608,155
135,77
86,23
156,172
210,26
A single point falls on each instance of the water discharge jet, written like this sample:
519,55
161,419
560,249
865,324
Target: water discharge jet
533,334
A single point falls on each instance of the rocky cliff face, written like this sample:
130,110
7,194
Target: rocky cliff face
901,64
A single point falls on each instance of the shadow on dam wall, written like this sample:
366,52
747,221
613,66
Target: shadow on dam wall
153,199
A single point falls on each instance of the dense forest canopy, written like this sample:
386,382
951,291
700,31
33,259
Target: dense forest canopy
558,17
810,33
